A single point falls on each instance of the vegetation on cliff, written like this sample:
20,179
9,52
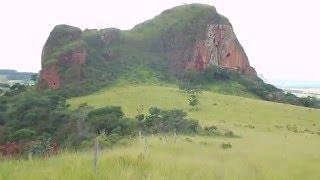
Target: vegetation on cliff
158,51
111,53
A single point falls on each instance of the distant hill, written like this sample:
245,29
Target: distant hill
296,84
8,76
15,75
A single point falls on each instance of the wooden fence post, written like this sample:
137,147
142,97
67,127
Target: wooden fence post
30,156
145,145
165,138
96,151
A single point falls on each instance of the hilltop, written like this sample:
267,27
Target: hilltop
189,37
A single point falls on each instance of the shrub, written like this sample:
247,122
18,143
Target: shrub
110,120
249,126
43,147
188,139
164,121
211,131
215,131
23,134
225,145
193,101
229,134
292,128
309,101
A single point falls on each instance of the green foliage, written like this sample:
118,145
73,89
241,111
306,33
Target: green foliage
22,135
215,79
211,74
164,121
309,101
215,131
110,120
211,130
139,75
175,21
226,145
239,84
3,107
15,89
193,98
65,48
32,114
92,38
41,147
2,119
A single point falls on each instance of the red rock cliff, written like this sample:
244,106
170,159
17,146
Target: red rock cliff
65,54
220,48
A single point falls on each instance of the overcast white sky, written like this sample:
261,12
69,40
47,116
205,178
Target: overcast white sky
281,38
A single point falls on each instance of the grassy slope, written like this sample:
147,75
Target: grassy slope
214,108
263,152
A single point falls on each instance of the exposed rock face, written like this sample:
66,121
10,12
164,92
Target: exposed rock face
66,51
220,48
49,77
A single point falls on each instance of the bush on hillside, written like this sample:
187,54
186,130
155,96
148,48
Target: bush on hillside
165,121
215,131
226,145
110,120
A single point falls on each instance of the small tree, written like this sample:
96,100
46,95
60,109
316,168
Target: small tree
193,100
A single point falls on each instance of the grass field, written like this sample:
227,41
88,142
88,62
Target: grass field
266,149
214,108
256,155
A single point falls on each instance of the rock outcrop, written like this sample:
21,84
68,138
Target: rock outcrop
187,37
65,54
220,48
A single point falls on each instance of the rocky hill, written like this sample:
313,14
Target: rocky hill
188,37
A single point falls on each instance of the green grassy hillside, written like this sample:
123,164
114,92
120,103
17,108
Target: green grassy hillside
214,108
276,141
